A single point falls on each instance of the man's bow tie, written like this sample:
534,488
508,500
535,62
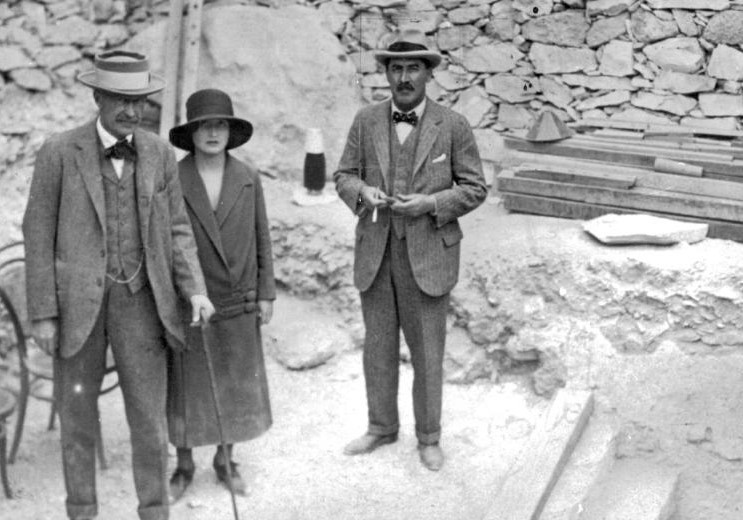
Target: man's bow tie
123,149
411,118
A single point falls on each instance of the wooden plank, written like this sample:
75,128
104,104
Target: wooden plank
732,168
645,199
525,489
609,180
536,205
651,129
172,59
677,167
710,187
191,50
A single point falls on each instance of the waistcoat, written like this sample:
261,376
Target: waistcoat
124,249
402,162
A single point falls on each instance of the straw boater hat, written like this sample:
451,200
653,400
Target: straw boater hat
207,104
124,73
411,44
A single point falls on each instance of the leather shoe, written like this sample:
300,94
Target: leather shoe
179,481
238,484
367,443
431,455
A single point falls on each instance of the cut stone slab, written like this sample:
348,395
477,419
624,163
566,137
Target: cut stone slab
720,105
590,463
712,5
567,28
673,104
634,490
617,59
644,229
725,28
726,63
551,59
681,54
606,29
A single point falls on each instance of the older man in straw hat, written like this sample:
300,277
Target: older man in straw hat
108,246
410,168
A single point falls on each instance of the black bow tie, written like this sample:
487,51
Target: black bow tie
411,118
123,149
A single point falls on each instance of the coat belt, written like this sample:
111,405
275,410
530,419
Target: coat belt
234,305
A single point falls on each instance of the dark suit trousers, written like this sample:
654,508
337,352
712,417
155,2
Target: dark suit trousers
130,324
392,302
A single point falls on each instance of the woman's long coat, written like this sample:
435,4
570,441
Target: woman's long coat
234,248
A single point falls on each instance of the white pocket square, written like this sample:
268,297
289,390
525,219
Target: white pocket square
439,158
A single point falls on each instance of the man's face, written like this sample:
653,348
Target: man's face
120,115
408,78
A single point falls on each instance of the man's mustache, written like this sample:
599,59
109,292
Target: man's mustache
405,86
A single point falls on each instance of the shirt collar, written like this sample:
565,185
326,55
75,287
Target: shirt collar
418,109
105,136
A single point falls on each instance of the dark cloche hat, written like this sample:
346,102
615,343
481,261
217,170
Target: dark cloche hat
207,104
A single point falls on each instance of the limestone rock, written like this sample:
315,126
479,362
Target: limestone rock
111,35
726,27
54,56
306,62
728,448
496,57
74,30
682,83
451,80
646,27
301,345
533,8
612,98
715,5
369,27
502,25
30,42
567,28
606,29
12,57
384,4
674,104
335,16
465,362
468,15
102,10
598,82
31,79
713,105
644,229
726,63
457,36
60,9
716,123
685,21
511,88
606,7
473,104
514,116
420,13
35,15
551,59
555,92
490,144
616,59
640,116
680,54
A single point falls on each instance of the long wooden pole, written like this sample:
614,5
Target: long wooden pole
191,49
172,60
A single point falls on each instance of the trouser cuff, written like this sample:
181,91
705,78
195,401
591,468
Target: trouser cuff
382,430
428,438
153,513
80,511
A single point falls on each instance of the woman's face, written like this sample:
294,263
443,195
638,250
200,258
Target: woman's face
211,136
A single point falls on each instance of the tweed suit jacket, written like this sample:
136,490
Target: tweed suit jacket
65,234
447,165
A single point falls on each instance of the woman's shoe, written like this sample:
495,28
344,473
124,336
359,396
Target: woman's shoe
238,485
179,481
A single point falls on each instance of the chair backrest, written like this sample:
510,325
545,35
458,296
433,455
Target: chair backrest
13,285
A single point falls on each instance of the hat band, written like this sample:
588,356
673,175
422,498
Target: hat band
122,80
406,47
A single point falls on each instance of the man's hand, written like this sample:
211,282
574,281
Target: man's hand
265,309
201,308
414,204
45,334
373,197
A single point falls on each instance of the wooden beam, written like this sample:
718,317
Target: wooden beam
651,129
525,489
172,59
191,52
609,180
536,205
645,199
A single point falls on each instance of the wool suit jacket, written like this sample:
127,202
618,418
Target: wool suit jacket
65,234
447,165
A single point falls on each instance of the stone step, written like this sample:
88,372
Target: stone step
590,463
634,489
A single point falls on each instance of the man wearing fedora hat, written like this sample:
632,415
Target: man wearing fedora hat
410,168
109,250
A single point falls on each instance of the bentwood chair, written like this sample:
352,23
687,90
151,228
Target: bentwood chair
34,366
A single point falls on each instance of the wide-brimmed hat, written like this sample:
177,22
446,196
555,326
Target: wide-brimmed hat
410,44
122,72
205,104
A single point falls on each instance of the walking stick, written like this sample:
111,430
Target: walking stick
217,410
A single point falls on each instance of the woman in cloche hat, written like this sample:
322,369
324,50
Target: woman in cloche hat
224,200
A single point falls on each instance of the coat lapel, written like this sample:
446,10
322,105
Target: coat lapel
148,160
381,138
89,165
195,195
429,132
232,186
